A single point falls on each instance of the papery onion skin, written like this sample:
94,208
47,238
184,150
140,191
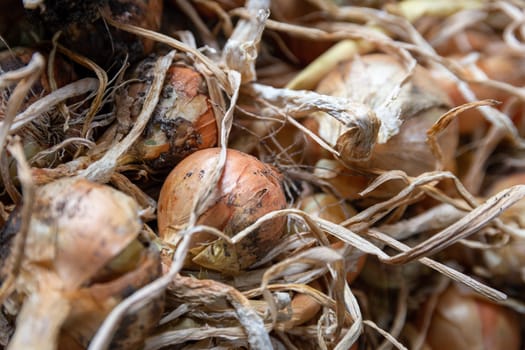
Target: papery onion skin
183,120
462,320
93,303
43,132
370,79
328,207
246,190
72,212
82,250
297,12
507,263
303,307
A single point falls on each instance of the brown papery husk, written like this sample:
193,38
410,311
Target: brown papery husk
303,13
328,207
246,190
401,145
183,120
93,38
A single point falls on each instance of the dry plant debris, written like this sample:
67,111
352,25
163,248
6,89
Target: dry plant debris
303,174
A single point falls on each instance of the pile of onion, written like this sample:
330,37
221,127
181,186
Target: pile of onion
246,190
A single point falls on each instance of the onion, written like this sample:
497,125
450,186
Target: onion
183,120
328,207
82,257
401,143
507,263
246,190
499,67
461,320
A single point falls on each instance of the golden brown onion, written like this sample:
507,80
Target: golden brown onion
183,120
246,190
464,321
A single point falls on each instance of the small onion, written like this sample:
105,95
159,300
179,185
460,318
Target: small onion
303,307
246,190
328,207
183,120
462,320
499,67
371,79
507,263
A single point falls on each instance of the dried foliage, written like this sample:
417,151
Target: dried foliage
375,199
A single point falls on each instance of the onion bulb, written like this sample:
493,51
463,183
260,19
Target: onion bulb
405,117
328,207
499,67
246,190
507,263
82,257
462,320
183,120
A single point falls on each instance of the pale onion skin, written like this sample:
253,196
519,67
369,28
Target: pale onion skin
82,247
328,207
421,102
462,320
246,190
75,213
507,264
183,120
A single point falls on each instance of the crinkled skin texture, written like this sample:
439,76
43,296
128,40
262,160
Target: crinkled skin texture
371,79
183,120
247,190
